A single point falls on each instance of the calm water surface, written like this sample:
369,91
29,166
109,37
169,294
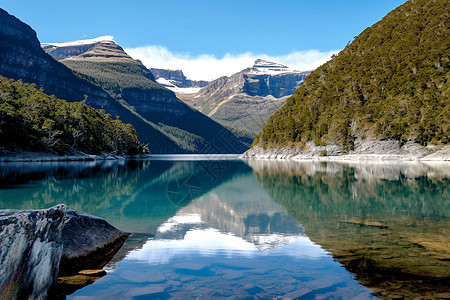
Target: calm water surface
255,229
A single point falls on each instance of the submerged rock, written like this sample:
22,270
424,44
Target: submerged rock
34,243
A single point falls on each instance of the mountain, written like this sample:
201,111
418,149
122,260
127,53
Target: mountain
390,83
245,100
257,220
105,64
112,81
175,81
21,57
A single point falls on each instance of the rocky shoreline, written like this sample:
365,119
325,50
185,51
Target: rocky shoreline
26,156
364,150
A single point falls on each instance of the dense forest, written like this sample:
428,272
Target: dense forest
390,82
31,120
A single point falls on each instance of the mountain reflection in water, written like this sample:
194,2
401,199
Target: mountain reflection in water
233,241
267,229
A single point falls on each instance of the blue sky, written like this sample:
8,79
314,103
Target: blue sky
181,30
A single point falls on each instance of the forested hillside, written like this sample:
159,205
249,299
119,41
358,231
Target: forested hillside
34,121
390,82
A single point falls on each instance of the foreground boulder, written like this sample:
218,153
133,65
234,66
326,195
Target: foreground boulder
89,242
34,243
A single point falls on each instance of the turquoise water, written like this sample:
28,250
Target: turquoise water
254,229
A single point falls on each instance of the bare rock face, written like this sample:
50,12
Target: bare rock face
262,79
35,243
21,57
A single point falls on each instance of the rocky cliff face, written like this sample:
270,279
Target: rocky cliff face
21,57
263,79
176,78
32,243
277,85
268,78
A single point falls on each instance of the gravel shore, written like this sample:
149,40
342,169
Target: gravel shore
364,150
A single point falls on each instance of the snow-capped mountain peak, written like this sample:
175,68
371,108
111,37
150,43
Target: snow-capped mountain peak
102,46
266,67
105,38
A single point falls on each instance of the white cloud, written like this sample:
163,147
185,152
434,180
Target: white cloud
210,67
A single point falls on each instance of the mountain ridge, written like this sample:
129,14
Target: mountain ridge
129,82
245,100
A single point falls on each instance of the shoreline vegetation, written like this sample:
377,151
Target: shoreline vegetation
32,121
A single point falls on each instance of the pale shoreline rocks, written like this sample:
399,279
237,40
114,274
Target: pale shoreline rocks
364,151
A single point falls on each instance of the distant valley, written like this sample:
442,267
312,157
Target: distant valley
105,64
244,101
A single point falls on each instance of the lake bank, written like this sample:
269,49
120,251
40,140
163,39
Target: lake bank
27,156
364,150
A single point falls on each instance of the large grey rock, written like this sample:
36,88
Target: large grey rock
34,244
89,242
30,251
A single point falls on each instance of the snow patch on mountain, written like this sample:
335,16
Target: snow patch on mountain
171,86
105,38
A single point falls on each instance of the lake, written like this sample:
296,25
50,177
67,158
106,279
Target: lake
255,229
